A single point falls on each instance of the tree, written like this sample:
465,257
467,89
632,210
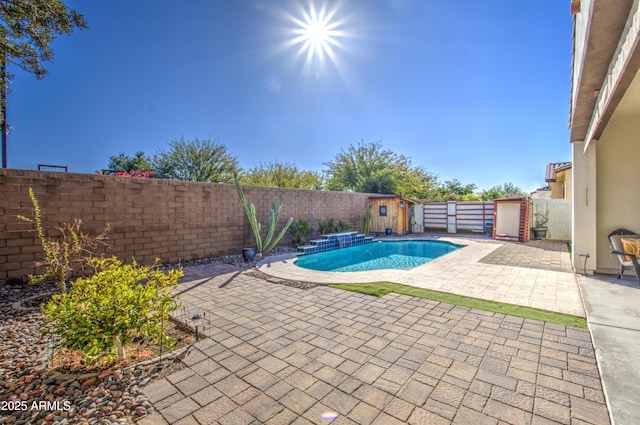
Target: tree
196,160
27,28
379,181
281,174
454,190
370,168
126,163
508,190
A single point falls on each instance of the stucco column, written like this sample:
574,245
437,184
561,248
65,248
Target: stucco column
583,231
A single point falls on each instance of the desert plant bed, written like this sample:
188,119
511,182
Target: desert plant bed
40,385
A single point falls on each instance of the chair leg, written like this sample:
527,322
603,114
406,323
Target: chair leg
636,267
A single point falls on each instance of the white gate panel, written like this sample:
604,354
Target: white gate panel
451,217
508,220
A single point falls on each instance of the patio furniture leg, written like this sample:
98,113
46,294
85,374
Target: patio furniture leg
636,266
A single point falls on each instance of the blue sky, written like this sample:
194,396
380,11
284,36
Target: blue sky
469,90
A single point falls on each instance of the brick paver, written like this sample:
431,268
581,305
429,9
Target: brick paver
537,274
544,255
276,354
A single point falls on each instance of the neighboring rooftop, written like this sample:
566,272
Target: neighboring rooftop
553,168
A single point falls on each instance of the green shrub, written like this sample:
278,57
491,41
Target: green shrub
104,311
300,231
327,226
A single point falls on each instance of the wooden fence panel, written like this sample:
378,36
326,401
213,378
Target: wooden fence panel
455,216
435,216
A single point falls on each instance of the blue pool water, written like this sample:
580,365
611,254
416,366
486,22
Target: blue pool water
402,255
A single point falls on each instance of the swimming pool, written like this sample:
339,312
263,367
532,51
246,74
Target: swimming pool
401,255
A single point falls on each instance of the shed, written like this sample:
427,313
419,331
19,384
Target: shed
512,219
391,212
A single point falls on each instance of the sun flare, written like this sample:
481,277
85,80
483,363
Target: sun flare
317,35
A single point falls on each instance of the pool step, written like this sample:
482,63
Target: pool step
333,241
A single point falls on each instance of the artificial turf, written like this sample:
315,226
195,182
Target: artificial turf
380,289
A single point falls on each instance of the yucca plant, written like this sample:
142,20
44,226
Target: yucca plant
263,246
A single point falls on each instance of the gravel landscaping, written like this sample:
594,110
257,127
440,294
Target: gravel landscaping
32,393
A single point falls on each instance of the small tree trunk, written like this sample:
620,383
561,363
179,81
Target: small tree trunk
3,107
121,354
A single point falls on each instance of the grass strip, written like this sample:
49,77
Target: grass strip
380,289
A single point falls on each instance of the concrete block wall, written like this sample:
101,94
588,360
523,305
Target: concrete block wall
149,218
560,216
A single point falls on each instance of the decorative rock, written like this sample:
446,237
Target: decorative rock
104,397
89,382
85,404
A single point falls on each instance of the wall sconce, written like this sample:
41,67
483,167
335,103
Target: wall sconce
401,204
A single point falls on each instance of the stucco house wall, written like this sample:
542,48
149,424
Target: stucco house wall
604,123
561,188
618,201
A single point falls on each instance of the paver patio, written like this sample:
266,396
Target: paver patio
536,275
277,354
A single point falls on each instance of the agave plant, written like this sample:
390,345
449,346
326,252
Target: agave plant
327,226
343,226
263,246
300,231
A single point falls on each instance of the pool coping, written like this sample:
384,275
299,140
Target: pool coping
459,272
387,241
281,266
